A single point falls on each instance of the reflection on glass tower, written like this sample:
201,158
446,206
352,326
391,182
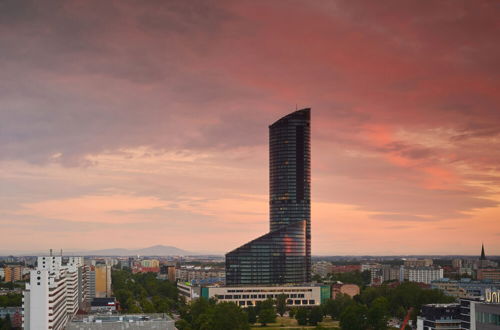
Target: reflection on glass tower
282,256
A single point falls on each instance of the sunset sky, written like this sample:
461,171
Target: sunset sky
135,123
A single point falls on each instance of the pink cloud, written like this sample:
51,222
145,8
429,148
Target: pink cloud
169,103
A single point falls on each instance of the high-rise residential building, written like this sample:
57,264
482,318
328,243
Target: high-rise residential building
13,273
54,294
99,281
282,256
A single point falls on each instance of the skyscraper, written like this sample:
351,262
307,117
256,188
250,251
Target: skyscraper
282,256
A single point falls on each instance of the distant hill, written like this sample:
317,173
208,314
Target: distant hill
157,250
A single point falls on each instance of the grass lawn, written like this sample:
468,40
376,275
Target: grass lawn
291,324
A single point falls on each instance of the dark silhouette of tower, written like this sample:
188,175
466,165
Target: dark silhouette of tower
283,256
483,256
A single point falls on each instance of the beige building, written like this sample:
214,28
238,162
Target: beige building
488,274
102,281
151,263
13,273
348,289
451,288
414,262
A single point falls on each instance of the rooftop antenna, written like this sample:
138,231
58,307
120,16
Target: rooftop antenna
51,252
296,107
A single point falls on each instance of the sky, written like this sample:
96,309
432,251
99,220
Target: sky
134,123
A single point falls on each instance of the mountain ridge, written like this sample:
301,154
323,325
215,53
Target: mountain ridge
155,250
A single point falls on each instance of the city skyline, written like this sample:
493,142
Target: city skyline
126,125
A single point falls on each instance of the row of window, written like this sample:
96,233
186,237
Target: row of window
488,318
288,302
258,296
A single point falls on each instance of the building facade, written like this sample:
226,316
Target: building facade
349,289
52,296
465,288
439,316
421,274
300,295
282,256
492,274
480,314
197,273
13,273
102,281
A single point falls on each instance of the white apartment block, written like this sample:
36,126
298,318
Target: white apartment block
189,273
422,274
306,295
54,294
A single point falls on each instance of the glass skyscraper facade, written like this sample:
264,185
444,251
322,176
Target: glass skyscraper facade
282,256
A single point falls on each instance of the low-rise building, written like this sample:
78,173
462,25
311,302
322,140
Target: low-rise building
305,295
345,269
369,266
122,322
348,289
414,262
189,273
439,316
15,314
492,274
480,314
188,290
103,305
245,296
465,288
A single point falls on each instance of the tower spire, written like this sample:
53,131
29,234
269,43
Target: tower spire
483,256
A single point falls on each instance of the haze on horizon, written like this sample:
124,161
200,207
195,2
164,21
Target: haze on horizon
126,124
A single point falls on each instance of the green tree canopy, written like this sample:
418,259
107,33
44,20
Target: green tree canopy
315,315
281,304
354,318
301,316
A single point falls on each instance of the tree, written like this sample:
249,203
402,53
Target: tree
267,314
317,278
252,314
354,318
335,307
301,316
6,324
315,315
133,306
229,316
183,325
147,306
378,314
281,304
